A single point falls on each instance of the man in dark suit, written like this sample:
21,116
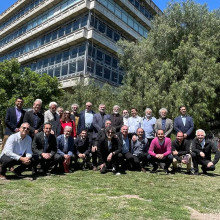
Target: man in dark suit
14,118
35,118
98,123
184,123
66,149
116,118
44,149
85,121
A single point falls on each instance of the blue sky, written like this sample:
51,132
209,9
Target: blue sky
212,4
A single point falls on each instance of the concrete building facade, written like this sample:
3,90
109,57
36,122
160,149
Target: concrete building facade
73,39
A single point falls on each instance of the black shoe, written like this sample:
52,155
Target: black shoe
34,171
204,170
17,173
154,169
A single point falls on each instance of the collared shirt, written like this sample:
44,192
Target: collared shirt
109,145
15,146
35,120
134,123
18,114
45,143
125,121
139,147
163,123
148,126
202,143
65,147
88,119
125,147
183,119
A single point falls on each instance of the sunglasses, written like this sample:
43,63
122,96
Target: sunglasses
26,128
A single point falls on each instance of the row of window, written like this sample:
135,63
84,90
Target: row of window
21,12
39,20
53,35
123,15
141,8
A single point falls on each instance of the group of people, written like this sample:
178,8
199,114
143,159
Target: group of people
58,140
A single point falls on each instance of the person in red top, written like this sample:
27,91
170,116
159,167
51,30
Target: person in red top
66,121
160,151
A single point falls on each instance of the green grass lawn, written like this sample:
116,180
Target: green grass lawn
90,195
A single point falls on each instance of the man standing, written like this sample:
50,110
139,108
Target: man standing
17,151
14,118
44,149
202,149
164,123
75,115
148,124
116,118
181,152
160,151
66,149
35,118
98,123
134,122
139,149
53,118
125,115
85,120
184,123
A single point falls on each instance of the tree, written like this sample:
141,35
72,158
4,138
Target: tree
30,85
178,63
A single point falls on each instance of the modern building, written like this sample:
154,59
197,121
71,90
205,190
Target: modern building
73,39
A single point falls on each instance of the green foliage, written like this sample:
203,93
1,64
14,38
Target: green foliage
30,85
177,64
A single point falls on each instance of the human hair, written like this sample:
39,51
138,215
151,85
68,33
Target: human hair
24,123
47,123
160,130
75,105
68,127
200,130
134,109
162,110
38,100
19,97
182,107
85,130
116,106
88,102
148,109
52,103
63,115
123,126
139,128
110,128
101,105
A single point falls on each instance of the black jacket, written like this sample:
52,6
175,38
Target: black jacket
182,149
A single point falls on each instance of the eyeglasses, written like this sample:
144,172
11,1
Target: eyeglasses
88,105
66,113
26,128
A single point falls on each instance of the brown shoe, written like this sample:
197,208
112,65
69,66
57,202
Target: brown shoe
94,168
2,177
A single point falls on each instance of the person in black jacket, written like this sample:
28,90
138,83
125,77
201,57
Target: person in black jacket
108,148
116,118
83,148
202,149
35,118
181,152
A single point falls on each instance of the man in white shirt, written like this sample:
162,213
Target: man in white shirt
17,151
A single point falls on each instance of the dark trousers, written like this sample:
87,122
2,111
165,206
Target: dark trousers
46,164
197,159
9,162
127,158
94,159
167,160
110,164
141,158
72,159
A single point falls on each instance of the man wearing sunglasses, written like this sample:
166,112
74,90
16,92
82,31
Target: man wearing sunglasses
17,151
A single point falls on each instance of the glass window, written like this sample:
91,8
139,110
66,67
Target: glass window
66,55
50,72
58,58
114,63
107,73
98,70
99,55
64,70
68,28
142,9
90,66
109,32
33,66
108,59
73,53
80,65
72,67
45,62
39,65
101,27
130,22
137,4
76,25
114,76
57,71
82,49
124,17
116,37
84,20
118,12
52,59
91,51
120,79
43,40
54,35
111,7
61,32
48,38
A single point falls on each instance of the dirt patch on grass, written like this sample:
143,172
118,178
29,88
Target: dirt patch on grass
129,197
195,215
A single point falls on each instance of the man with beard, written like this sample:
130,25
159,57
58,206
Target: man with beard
116,118
125,115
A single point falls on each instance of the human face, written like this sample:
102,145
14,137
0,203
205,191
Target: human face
133,112
148,113
53,108
37,106
66,114
67,132
83,134
160,135
200,136
24,129
107,124
102,108
88,106
116,110
60,111
124,130
140,133
75,108
110,134
125,113
163,113
47,129
183,111
19,103
180,137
